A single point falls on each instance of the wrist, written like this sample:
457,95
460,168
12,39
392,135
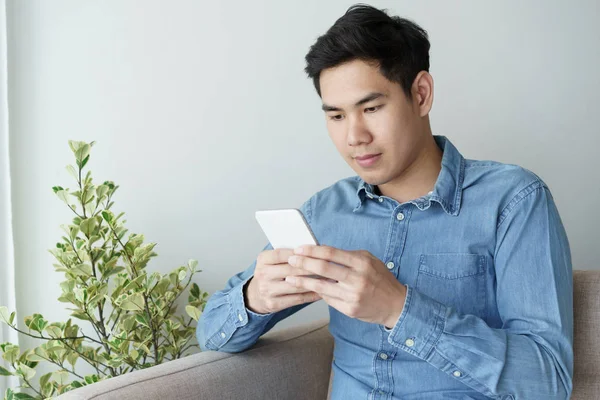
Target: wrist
250,298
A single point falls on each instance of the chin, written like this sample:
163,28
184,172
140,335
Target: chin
374,178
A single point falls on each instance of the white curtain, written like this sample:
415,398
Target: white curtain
7,265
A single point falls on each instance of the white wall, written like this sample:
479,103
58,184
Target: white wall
202,113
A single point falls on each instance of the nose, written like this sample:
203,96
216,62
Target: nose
358,133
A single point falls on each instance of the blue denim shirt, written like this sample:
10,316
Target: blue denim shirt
488,313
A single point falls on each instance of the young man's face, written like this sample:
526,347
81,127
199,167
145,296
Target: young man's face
369,115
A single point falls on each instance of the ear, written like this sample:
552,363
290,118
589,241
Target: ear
422,92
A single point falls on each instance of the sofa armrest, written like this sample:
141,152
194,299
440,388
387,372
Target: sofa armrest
290,361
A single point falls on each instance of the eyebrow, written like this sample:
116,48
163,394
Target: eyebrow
370,97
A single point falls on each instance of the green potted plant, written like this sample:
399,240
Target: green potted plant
131,312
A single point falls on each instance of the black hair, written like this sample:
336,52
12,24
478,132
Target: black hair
399,46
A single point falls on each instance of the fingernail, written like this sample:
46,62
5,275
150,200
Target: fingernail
299,250
290,279
293,260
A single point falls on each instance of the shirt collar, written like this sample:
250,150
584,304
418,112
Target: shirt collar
448,187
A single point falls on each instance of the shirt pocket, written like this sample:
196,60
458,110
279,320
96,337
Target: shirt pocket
455,280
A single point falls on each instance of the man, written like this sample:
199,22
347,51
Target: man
448,278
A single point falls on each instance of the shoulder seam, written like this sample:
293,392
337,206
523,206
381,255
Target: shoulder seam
522,194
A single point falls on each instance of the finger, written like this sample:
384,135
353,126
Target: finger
346,258
320,286
295,299
321,267
273,257
283,288
334,302
279,272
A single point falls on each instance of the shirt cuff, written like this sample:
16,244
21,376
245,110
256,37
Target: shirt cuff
244,315
420,324
239,316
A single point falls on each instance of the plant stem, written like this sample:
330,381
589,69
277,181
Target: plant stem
28,384
51,338
63,367
102,335
91,362
150,319
116,319
178,294
72,209
82,194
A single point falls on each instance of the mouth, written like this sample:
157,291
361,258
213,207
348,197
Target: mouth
367,160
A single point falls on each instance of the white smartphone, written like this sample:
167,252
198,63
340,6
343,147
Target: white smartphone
286,229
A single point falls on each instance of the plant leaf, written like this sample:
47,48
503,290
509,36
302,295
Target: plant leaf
47,389
82,270
4,315
60,377
5,372
45,378
75,145
10,353
141,319
54,332
80,315
195,290
88,225
134,302
72,172
23,396
113,271
63,195
193,312
82,152
25,371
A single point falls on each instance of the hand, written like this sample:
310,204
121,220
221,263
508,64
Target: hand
267,291
360,285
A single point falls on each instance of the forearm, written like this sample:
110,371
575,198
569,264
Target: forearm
496,362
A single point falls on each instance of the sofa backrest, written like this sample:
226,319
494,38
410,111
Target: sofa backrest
586,308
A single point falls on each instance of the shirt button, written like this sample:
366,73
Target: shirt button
222,334
457,374
400,216
383,356
381,199
409,342
390,265
240,317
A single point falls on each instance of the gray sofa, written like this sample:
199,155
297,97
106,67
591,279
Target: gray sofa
295,363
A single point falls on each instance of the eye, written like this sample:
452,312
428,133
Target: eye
337,117
373,109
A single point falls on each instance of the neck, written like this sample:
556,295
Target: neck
419,178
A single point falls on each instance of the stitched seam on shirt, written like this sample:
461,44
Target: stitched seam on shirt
389,243
309,210
439,318
459,185
524,193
